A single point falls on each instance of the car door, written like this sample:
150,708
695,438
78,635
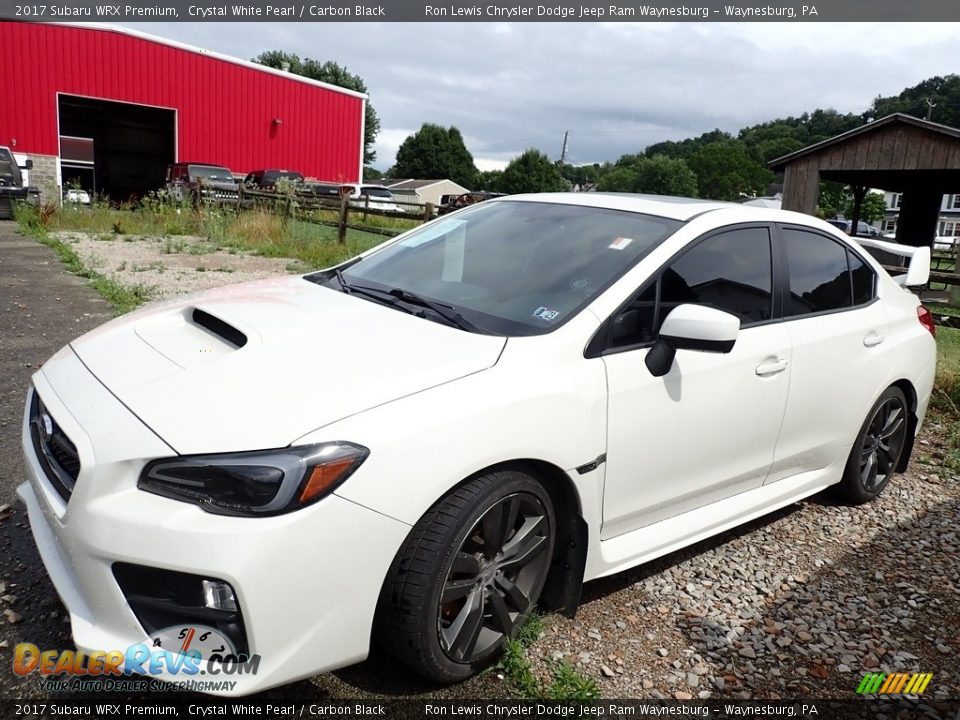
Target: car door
707,429
840,361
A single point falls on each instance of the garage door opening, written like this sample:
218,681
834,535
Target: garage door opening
132,145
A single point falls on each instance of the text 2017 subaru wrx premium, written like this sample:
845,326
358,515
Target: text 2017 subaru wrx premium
415,447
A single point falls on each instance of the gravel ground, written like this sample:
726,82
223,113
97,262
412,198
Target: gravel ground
797,604
172,266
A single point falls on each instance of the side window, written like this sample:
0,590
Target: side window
729,271
863,279
824,275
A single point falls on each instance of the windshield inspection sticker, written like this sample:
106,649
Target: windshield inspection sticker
546,314
620,243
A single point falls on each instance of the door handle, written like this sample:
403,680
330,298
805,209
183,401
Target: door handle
873,338
771,367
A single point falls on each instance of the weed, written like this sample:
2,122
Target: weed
123,299
172,246
565,682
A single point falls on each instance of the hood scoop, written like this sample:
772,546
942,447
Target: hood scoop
191,336
218,327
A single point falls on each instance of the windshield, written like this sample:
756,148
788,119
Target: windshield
513,268
8,168
276,175
378,192
209,172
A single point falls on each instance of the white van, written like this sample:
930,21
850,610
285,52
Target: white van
380,197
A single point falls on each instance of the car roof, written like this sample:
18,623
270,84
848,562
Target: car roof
675,208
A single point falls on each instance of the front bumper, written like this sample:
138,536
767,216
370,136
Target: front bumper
307,583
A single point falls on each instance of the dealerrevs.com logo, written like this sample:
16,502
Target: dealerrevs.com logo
894,683
180,654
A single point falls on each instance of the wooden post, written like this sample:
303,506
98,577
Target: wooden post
428,212
344,214
198,195
366,206
859,192
239,197
954,289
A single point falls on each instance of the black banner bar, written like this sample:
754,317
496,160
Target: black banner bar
176,707
632,11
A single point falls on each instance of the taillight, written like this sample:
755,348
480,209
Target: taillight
926,319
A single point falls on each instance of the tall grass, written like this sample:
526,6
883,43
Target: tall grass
258,231
946,386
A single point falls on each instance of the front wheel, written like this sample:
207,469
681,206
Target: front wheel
468,576
877,449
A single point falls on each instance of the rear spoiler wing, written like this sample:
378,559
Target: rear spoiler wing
917,271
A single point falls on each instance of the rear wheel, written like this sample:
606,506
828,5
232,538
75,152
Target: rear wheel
876,452
468,576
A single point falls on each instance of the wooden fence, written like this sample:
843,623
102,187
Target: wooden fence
344,212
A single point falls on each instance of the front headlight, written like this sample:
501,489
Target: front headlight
254,484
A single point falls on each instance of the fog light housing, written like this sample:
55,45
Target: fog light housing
218,595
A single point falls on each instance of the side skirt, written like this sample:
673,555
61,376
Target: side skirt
647,543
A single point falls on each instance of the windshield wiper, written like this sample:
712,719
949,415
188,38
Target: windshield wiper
446,312
375,294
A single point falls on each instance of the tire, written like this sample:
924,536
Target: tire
468,576
876,452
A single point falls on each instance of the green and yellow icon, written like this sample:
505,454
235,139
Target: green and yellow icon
894,683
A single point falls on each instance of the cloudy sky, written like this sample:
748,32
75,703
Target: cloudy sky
616,87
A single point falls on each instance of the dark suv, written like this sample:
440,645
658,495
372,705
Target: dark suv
268,179
863,229
11,183
213,182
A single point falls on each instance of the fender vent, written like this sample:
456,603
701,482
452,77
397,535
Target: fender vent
218,327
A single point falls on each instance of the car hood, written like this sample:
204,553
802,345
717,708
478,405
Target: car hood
258,365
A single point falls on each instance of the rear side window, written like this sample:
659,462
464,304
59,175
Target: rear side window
730,271
824,275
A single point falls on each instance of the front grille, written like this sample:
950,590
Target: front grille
57,454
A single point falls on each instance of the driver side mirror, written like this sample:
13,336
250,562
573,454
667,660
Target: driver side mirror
692,327
28,165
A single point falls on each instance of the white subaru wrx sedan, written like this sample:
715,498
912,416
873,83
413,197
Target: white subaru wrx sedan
415,447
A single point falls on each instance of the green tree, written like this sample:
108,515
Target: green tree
725,171
871,209
943,92
832,199
532,172
580,174
434,152
490,180
658,175
333,74
371,173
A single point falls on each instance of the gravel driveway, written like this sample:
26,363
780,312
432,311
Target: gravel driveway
798,604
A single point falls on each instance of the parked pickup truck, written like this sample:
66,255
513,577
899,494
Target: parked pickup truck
11,183
213,182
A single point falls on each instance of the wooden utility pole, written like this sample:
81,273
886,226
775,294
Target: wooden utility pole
563,152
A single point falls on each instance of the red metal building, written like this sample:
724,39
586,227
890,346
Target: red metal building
113,107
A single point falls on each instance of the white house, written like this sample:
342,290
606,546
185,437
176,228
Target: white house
423,191
948,225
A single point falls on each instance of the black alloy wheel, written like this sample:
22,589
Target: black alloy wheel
492,576
876,452
468,575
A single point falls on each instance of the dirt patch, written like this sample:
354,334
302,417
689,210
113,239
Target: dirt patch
170,266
